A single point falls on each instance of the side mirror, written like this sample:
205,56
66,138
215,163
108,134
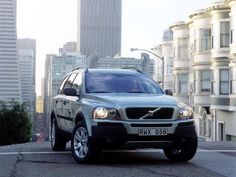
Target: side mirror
70,92
169,92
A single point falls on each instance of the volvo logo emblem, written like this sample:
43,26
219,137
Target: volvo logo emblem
150,113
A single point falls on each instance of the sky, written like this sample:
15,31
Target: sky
54,22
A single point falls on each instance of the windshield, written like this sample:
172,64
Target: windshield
120,83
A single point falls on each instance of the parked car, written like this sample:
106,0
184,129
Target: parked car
100,109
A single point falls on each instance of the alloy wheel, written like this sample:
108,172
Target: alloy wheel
81,142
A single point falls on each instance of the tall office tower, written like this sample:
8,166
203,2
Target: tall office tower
27,58
99,27
29,44
9,71
26,73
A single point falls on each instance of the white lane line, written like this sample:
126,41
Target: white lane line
159,150
139,150
31,153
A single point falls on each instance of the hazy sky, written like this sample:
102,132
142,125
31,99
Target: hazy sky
54,22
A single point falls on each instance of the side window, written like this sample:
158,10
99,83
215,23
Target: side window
77,83
62,85
70,81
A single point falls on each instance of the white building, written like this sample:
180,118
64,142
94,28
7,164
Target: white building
204,70
9,71
181,61
200,58
167,52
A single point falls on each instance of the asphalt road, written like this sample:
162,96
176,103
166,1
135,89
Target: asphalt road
37,160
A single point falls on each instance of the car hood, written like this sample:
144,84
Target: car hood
131,100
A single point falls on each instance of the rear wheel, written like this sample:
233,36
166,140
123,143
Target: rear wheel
182,151
83,150
58,143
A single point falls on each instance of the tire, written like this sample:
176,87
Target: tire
58,143
182,151
83,150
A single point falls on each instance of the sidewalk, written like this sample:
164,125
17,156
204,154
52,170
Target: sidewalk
219,145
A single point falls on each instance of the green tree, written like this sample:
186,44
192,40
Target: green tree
15,124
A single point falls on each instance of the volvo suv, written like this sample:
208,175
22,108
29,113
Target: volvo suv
99,109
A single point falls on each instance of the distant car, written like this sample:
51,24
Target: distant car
119,108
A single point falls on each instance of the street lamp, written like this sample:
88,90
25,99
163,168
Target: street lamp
160,57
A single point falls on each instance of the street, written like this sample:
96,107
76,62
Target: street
38,160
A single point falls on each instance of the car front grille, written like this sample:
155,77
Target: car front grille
137,113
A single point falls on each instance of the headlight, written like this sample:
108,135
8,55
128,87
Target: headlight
105,113
186,113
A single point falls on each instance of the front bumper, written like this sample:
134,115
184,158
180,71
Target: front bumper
117,134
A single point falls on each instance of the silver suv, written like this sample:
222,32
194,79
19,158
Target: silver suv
119,108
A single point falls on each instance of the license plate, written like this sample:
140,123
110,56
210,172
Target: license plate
152,132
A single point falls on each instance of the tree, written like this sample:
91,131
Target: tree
15,124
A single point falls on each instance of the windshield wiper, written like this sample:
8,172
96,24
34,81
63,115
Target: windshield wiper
100,92
137,92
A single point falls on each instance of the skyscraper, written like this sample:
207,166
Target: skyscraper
27,59
9,71
99,27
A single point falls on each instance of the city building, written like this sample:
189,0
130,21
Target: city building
39,105
26,79
9,69
27,59
165,49
56,67
180,61
145,64
69,47
204,69
99,27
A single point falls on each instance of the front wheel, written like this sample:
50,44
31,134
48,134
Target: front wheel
82,148
182,151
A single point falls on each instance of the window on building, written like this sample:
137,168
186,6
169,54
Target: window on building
195,45
195,82
169,65
174,84
205,81
205,39
183,83
212,83
224,34
231,36
195,42
224,81
231,81
212,42
183,47
174,54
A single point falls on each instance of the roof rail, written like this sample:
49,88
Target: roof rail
133,68
77,69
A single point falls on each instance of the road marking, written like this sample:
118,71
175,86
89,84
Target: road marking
139,150
32,153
